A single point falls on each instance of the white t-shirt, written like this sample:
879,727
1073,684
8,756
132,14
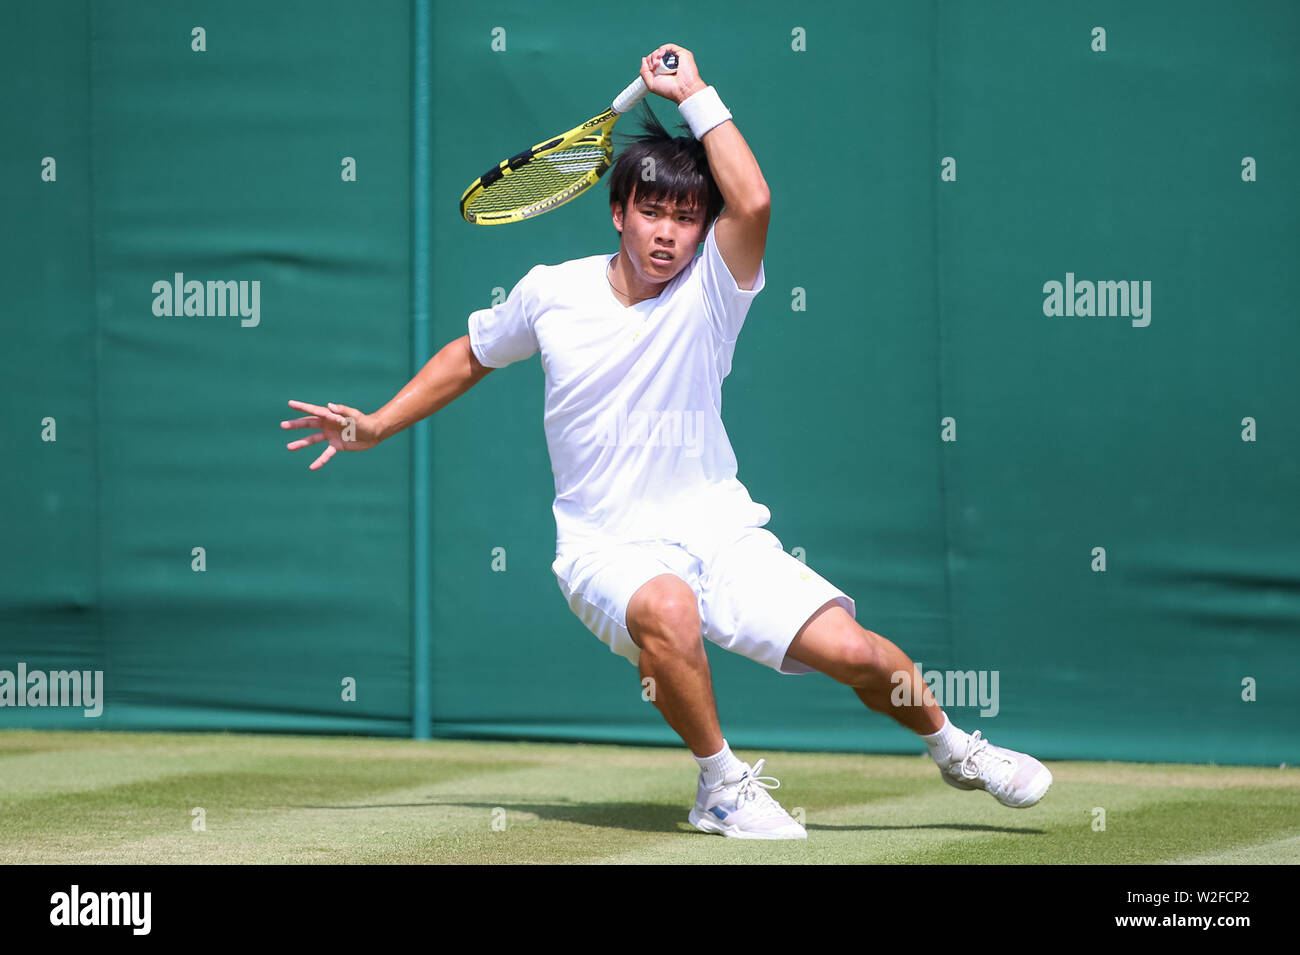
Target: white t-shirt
633,397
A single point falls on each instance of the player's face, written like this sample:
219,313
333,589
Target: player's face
660,237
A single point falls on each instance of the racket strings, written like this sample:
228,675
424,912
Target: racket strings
546,176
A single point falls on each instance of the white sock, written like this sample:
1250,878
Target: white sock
947,744
721,766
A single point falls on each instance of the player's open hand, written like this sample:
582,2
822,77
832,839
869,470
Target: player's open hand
346,429
674,86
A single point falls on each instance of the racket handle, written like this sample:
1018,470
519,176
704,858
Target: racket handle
637,89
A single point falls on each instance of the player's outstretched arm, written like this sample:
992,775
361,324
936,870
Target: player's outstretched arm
445,377
741,230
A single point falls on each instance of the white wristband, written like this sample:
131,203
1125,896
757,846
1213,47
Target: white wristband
703,110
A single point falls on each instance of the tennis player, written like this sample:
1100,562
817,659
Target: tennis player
658,545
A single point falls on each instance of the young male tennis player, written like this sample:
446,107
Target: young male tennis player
658,544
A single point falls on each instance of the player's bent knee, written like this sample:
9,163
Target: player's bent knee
662,615
860,659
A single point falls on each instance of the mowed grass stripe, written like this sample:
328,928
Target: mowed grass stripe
251,799
1279,852
633,814
1144,825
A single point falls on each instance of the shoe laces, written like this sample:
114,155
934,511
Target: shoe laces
981,755
753,788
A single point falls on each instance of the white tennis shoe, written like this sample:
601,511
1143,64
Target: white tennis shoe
741,808
1013,779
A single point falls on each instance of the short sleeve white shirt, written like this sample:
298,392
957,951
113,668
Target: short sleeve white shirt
633,403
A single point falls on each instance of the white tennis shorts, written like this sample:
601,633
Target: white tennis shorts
751,595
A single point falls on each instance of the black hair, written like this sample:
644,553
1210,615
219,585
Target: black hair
679,169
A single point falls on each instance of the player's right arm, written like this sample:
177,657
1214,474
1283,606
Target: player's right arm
446,376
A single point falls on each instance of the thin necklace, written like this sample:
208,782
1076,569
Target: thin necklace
608,270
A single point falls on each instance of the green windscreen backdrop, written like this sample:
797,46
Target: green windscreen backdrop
1022,380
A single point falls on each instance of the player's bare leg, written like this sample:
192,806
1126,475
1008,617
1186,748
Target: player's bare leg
731,797
664,623
832,642
887,681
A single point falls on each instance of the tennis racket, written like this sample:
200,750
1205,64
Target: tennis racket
554,171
